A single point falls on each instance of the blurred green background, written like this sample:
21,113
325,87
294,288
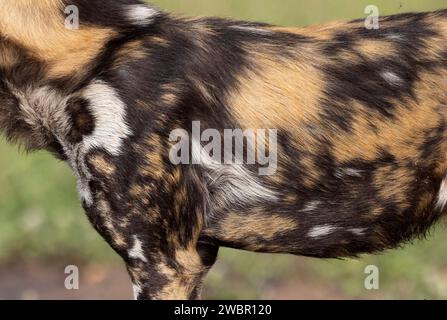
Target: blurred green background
42,226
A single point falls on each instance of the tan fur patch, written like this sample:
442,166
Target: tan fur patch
278,91
311,171
40,27
190,260
104,210
376,211
266,226
203,90
181,282
173,179
401,137
131,51
171,94
375,49
160,41
154,166
321,32
8,55
393,184
102,165
180,198
138,191
425,202
437,44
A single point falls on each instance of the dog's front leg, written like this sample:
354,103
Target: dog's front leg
161,248
170,273
162,265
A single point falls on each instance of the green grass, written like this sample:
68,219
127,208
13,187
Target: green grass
40,214
294,12
41,218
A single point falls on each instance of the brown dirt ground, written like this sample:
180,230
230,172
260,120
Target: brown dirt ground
38,281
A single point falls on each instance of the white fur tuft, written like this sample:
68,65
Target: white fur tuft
321,231
235,184
109,112
137,250
442,195
140,14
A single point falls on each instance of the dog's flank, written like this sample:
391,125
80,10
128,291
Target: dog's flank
360,116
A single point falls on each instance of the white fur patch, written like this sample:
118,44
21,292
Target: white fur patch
357,231
85,193
396,36
353,172
137,250
141,14
311,206
136,291
321,231
44,108
109,112
252,29
442,195
391,78
76,161
350,172
235,183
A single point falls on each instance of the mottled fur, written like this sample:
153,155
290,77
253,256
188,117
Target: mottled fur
361,118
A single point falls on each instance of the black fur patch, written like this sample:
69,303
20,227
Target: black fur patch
82,121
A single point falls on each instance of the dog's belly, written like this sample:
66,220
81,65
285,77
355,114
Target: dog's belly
355,217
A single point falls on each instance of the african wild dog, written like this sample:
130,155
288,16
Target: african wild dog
361,118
